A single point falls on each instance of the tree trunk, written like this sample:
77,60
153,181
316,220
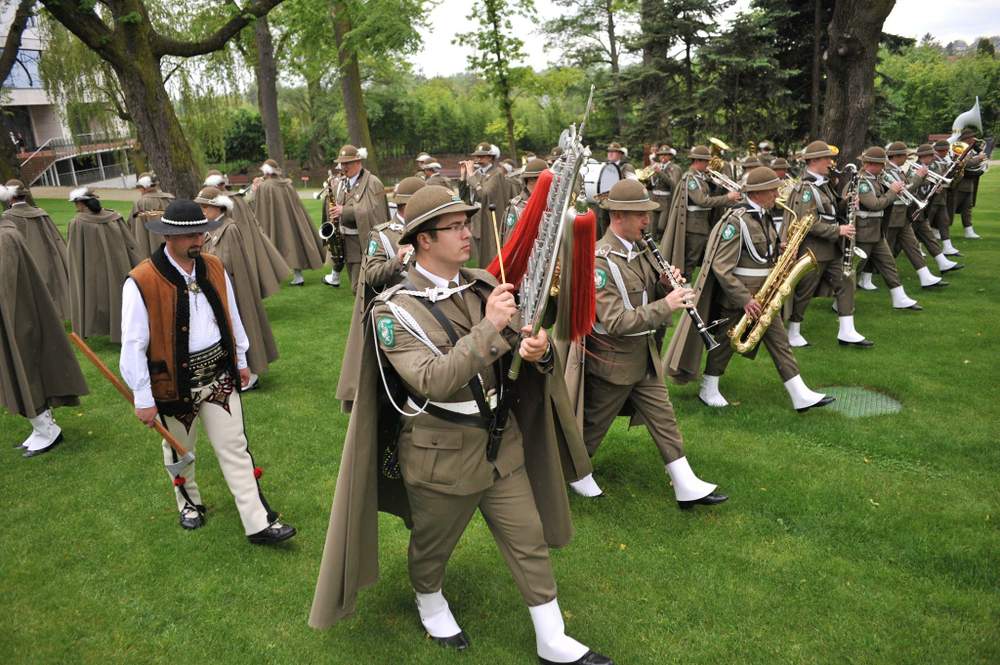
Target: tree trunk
267,90
615,68
350,85
850,72
817,54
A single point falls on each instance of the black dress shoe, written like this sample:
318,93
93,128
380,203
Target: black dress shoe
957,266
936,285
914,307
275,533
827,399
192,517
42,451
709,500
864,344
589,658
458,642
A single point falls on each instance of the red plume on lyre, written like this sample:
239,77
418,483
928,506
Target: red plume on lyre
583,292
517,249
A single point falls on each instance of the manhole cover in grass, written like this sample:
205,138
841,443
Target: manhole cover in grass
855,402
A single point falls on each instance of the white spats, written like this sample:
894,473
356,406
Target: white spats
926,277
551,640
795,338
937,234
44,432
899,298
971,234
865,282
802,397
687,486
586,486
333,279
943,263
436,616
297,278
847,333
949,249
709,393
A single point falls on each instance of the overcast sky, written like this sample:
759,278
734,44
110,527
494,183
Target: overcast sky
947,20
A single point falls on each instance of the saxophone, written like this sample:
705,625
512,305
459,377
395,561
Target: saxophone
330,232
780,283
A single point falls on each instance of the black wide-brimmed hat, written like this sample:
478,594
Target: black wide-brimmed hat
182,216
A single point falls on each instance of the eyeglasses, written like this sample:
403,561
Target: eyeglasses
457,227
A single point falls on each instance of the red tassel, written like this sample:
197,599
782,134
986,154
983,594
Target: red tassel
517,249
258,472
179,480
583,291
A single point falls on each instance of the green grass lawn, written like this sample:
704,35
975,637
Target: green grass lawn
846,540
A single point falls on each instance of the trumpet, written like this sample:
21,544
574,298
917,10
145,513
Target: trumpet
932,176
894,174
667,271
722,180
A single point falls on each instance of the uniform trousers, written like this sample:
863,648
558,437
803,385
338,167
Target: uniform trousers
222,417
694,251
775,339
830,272
940,219
922,230
661,216
881,259
509,509
902,238
963,207
352,257
604,401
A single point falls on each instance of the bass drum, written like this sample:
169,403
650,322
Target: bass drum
598,178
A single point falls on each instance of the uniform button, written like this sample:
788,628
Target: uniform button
184,365
494,350
187,399
184,328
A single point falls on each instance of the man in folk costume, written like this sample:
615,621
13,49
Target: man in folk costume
101,251
662,185
229,244
516,206
151,204
271,268
875,197
742,251
965,186
765,154
688,223
384,265
896,225
814,194
922,222
443,338
432,176
38,367
43,241
184,356
622,371
482,184
284,219
940,207
422,160
360,205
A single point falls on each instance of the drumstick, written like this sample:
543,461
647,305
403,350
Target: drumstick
496,235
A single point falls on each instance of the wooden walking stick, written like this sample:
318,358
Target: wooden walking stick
496,235
185,455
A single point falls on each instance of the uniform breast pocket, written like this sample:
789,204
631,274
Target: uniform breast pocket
437,456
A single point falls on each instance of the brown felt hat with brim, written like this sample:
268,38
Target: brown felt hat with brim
925,149
406,188
213,196
751,162
896,148
816,150
664,149
761,179
780,163
700,152
967,133
942,145
874,155
534,168
629,194
16,188
429,203
484,149
349,153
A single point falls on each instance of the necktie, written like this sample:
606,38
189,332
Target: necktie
459,299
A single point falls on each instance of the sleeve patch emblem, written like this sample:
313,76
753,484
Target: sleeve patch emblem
864,188
729,231
692,184
600,278
372,248
807,196
386,331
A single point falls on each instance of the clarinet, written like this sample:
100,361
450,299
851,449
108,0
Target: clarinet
667,270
